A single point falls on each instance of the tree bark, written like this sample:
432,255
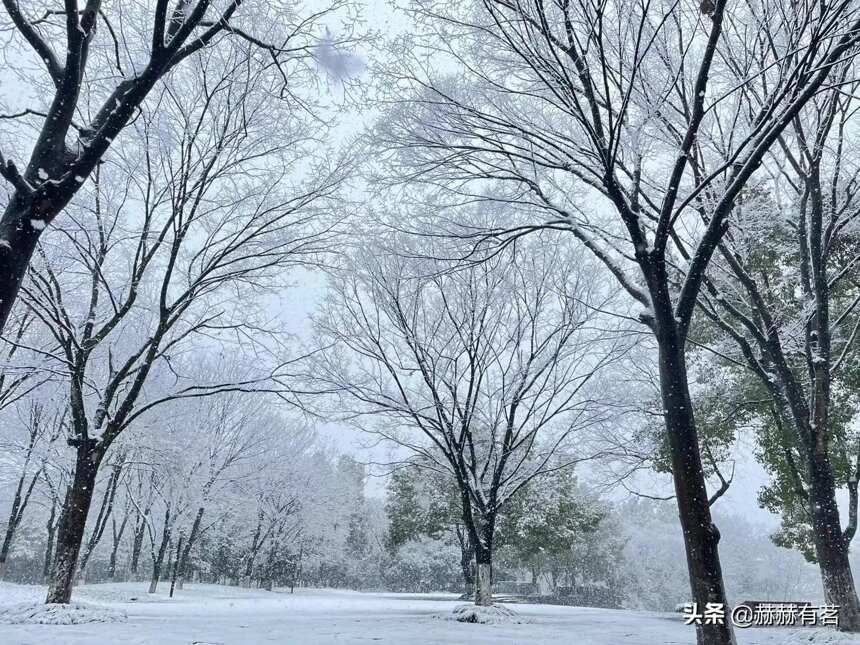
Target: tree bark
137,543
466,562
468,573
297,570
73,519
184,554
18,240
105,511
256,543
162,549
483,577
830,544
176,564
117,539
51,529
701,536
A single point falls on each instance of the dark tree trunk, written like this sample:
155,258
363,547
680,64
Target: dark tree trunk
268,583
51,529
137,543
701,536
467,567
466,562
184,554
176,564
297,570
256,543
73,519
18,239
117,539
484,576
158,560
482,532
105,511
831,547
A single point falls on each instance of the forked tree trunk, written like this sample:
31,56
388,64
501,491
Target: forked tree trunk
831,547
73,519
701,536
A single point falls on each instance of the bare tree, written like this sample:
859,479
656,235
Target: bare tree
231,432
222,212
112,59
41,429
574,107
483,373
278,489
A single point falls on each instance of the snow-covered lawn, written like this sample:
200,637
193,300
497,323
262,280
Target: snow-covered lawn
209,614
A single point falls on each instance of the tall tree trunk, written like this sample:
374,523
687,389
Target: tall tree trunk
51,530
831,547
297,570
466,561
268,583
137,543
831,544
117,539
158,560
256,543
482,532
73,520
701,536
185,553
105,511
176,564
484,576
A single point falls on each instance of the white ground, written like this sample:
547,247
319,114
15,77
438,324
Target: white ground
208,614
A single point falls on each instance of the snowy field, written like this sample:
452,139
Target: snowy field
213,615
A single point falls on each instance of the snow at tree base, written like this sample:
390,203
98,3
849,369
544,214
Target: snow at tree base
429,321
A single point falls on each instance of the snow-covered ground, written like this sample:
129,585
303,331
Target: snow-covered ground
209,615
